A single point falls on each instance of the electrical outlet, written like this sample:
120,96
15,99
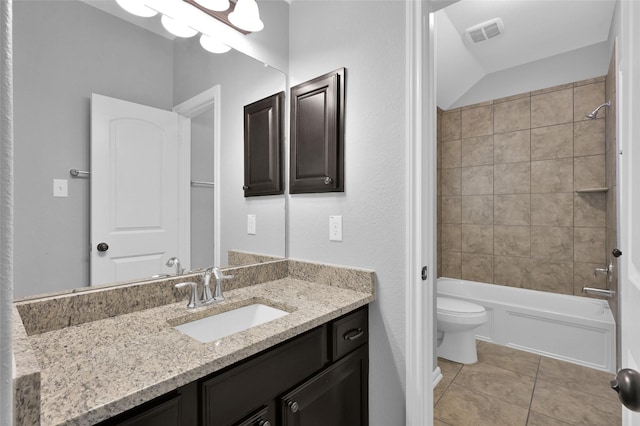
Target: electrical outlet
60,188
335,228
251,224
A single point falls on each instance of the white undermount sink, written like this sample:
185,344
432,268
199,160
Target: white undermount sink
226,323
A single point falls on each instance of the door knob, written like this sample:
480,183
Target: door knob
103,247
627,384
616,252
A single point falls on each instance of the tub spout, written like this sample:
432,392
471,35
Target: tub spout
599,291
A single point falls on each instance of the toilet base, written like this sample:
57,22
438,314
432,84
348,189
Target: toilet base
459,347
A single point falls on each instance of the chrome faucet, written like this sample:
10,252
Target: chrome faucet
174,261
219,277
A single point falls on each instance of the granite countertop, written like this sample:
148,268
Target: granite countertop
95,370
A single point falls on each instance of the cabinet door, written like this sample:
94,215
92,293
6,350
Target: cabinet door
262,147
337,396
317,134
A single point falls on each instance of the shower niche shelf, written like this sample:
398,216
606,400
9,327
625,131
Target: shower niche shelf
588,190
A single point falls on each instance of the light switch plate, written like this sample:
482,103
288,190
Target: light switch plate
251,224
335,228
60,188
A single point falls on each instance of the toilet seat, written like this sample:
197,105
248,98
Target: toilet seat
447,305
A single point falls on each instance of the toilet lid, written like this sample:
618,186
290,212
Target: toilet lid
446,304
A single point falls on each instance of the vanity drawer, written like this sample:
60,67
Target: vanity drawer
349,333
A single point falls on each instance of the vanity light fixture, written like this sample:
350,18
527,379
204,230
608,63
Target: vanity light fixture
246,16
186,18
217,5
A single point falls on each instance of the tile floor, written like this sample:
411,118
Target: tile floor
510,387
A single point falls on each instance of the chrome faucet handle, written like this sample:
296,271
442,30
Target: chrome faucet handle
174,261
193,299
220,276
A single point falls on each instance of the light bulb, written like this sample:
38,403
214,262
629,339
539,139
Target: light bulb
217,5
212,45
137,7
177,28
246,16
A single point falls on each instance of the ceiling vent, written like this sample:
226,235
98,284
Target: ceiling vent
481,32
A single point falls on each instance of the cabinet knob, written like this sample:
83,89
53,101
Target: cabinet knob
245,187
293,406
328,180
103,247
264,423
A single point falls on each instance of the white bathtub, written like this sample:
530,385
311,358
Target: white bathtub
570,328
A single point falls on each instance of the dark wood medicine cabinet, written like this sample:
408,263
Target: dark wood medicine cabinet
263,147
317,134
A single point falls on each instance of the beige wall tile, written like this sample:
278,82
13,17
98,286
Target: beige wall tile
583,276
450,181
590,81
552,142
451,126
478,105
552,89
551,242
589,172
477,239
477,180
555,209
512,178
586,98
588,137
512,209
512,115
477,121
451,237
477,267
512,147
552,175
450,209
552,108
512,241
552,276
477,209
512,271
590,209
477,151
589,245
512,98
451,264
450,154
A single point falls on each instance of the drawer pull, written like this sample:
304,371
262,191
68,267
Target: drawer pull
353,334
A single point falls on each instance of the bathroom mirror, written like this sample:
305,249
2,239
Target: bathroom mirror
66,50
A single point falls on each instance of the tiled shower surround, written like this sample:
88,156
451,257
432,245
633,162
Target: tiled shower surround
508,208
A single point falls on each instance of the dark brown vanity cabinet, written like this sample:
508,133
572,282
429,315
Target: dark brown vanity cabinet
263,147
317,378
317,134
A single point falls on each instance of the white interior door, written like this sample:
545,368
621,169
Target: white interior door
629,192
134,189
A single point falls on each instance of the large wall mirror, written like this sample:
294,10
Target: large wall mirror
64,51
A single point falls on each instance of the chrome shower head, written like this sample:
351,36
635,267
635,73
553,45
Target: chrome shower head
594,114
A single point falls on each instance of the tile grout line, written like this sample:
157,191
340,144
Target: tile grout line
535,382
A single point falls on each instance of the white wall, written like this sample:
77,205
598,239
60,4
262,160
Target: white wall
56,70
368,38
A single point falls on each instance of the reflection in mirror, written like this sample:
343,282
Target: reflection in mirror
66,50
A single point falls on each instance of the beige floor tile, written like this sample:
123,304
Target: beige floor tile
449,371
511,359
506,385
572,406
537,419
461,407
437,422
573,376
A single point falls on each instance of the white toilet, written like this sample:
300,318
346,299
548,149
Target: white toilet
457,321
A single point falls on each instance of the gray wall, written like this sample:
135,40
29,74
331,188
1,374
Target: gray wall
56,70
368,38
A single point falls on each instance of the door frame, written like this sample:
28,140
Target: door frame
421,208
188,109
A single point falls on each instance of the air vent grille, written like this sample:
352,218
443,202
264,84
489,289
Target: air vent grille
486,30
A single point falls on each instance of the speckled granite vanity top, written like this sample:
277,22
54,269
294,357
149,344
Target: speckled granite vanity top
94,370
